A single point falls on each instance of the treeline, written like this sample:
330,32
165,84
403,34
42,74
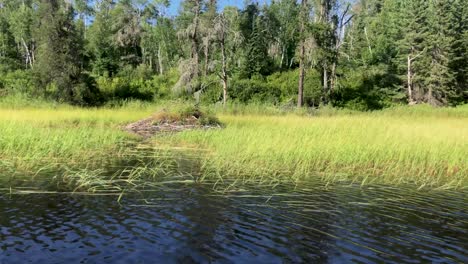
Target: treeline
363,54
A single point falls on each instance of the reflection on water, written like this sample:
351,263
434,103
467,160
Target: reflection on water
192,223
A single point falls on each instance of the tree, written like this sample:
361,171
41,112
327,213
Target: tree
254,28
101,42
222,29
207,31
284,17
189,23
159,41
18,20
59,55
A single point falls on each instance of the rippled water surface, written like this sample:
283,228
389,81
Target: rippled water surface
186,223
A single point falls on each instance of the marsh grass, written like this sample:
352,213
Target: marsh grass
425,148
44,139
419,145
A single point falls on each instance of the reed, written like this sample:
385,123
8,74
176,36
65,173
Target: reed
417,145
395,146
33,139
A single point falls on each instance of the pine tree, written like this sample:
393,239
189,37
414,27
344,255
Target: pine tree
440,81
413,50
255,47
459,56
57,70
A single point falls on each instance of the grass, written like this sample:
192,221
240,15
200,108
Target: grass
33,139
418,145
395,146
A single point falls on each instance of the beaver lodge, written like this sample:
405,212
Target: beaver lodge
173,121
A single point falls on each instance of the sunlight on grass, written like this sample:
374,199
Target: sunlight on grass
419,145
34,138
369,148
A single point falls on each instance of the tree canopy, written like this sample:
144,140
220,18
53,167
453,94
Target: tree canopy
362,54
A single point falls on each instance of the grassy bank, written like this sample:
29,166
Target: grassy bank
34,139
420,145
417,145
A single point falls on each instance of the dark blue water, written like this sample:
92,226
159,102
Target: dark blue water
192,223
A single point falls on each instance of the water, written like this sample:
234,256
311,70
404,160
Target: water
192,223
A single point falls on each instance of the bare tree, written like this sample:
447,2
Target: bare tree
226,36
190,69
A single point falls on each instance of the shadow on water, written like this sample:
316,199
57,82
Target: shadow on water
188,221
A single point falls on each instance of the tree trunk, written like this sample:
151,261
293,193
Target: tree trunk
300,93
160,62
411,58
333,78
282,56
29,59
325,84
194,38
207,57
224,71
410,82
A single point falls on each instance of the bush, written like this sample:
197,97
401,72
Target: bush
123,88
288,82
139,83
252,90
367,88
17,82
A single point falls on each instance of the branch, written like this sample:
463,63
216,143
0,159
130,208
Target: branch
344,14
419,54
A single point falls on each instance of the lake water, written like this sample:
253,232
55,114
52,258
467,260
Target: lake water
189,223
195,223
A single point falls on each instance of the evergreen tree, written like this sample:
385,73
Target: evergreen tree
57,69
255,47
440,80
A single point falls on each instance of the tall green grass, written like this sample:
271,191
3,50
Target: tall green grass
392,147
33,139
420,145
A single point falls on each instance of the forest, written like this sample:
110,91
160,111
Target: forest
361,55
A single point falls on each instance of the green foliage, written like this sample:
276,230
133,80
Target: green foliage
137,83
287,81
355,52
367,88
17,82
254,90
58,71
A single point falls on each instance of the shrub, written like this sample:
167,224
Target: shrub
288,81
139,83
252,90
19,81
